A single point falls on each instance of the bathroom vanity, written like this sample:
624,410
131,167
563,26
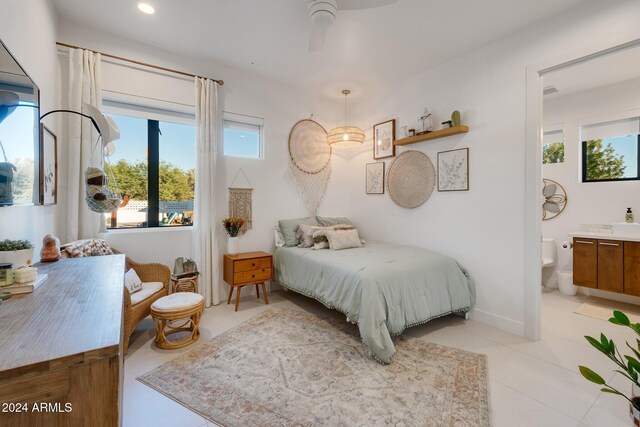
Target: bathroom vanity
607,261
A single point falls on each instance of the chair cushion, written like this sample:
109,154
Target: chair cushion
148,289
177,301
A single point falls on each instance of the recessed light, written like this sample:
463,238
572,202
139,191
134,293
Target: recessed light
146,8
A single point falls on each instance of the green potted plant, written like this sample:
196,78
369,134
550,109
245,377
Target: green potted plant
629,365
17,252
189,266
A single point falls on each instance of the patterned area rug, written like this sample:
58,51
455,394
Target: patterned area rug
287,367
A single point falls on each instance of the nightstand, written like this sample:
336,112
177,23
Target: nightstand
248,268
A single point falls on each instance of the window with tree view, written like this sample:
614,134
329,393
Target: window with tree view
154,165
611,151
553,147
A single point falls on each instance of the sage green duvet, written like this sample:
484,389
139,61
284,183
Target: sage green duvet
383,288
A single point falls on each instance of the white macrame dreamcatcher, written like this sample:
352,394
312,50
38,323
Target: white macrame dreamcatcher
240,205
310,162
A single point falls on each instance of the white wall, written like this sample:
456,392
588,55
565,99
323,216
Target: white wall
596,202
483,228
274,195
28,29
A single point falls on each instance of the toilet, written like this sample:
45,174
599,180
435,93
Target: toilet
549,252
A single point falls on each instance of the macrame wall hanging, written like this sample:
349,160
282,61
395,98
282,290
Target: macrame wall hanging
310,162
240,205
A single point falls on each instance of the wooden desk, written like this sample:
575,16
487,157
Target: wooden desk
62,345
248,268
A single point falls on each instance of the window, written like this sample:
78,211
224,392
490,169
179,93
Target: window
553,146
611,151
154,165
242,136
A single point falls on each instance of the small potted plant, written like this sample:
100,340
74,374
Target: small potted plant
628,365
189,266
232,226
16,252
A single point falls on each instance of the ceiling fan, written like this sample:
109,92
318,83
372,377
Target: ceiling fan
323,14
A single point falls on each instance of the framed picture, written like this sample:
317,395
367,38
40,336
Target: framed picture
453,170
48,167
375,178
383,136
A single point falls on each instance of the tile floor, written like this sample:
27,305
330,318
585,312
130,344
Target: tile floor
532,383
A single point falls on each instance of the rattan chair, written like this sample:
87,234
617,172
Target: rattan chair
135,313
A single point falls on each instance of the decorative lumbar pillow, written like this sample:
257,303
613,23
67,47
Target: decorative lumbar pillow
327,221
279,238
343,239
132,281
288,229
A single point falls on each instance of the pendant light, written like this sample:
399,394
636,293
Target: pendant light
346,136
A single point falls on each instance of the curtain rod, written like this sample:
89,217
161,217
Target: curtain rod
133,61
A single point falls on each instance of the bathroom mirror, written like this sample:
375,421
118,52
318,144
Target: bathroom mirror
19,133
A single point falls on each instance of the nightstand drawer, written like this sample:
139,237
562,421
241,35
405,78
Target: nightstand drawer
251,264
252,276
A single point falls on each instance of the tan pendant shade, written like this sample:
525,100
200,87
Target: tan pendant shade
346,136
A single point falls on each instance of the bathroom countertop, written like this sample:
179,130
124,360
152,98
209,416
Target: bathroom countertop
604,236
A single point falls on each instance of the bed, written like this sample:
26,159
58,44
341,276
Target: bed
383,288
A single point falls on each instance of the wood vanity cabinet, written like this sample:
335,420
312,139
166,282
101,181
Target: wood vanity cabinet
609,265
585,262
632,268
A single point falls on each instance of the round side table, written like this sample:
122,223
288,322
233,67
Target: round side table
184,284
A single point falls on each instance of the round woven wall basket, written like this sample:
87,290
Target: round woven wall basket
310,152
411,179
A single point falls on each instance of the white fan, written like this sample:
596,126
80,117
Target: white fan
323,15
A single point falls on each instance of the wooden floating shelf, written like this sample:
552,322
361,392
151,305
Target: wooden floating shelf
455,130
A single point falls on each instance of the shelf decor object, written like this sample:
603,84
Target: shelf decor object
555,199
346,136
453,170
375,178
411,179
310,162
454,130
383,137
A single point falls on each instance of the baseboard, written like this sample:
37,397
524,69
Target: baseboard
498,322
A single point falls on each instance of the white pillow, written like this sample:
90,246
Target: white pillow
343,239
279,238
132,281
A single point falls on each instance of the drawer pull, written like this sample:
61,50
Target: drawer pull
253,276
609,244
584,241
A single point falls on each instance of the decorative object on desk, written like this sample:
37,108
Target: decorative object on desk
26,287
455,118
240,205
411,132
310,167
232,226
178,266
411,179
7,274
427,122
375,178
447,124
383,137
555,199
190,266
25,275
48,166
627,365
17,252
453,170
50,251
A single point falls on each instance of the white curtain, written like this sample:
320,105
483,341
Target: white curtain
84,87
206,229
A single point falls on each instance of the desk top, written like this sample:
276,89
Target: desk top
75,316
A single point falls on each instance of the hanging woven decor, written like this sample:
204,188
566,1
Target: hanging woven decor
240,202
555,199
310,162
411,179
